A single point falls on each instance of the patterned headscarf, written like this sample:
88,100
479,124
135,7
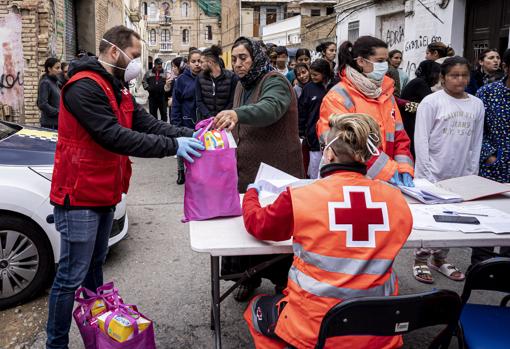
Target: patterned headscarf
260,64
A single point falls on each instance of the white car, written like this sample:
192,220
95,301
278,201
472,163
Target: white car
29,242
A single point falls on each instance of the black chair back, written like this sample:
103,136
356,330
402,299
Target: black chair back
390,316
491,275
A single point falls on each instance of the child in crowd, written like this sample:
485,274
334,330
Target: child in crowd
302,77
309,105
447,141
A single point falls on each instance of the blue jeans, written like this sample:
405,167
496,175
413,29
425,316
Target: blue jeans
84,238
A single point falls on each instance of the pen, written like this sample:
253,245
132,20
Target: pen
469,214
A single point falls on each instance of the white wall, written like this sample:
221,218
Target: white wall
418,29
278,33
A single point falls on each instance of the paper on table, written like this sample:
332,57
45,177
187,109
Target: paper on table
496,221
427,193
269,172
274,181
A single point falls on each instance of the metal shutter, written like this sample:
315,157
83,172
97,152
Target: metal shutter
70,30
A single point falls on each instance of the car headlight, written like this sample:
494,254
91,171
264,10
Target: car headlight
43,171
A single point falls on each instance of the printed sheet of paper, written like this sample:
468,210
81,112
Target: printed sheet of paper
496,221
274,181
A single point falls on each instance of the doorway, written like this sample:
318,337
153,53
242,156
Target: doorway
487,26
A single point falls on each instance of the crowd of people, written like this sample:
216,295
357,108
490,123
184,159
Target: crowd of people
352,117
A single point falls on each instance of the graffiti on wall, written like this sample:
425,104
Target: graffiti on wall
11,62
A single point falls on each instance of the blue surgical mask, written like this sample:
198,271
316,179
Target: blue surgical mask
380,69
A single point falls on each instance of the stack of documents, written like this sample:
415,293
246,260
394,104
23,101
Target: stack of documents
452,190
491,219
428,193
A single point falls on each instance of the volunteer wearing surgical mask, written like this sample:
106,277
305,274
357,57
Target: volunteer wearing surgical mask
365,88
100,125
336,255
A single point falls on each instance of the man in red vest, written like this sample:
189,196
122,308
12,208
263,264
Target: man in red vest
101,126
347,230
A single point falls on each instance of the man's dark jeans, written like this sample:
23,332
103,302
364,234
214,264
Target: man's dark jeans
83,247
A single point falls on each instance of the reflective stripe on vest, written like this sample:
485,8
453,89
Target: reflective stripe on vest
378,165
342,92
351,266
404,159
390,137
322,289
254,313
399,126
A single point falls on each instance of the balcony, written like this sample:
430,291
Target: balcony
165,46
165,20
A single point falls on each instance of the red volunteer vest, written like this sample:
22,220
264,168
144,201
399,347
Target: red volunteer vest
85,174
348,230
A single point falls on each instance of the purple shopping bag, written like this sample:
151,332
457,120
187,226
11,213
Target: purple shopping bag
82,315
140,340
211,182
93,337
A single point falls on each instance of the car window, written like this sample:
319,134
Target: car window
7,129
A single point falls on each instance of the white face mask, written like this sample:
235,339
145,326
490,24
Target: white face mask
380,69
324,160
132,70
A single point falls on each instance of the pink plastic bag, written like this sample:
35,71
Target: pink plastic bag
211,182
93,337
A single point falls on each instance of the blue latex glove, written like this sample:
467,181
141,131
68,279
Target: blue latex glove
196,133
188,146
407,179
255,186
395,180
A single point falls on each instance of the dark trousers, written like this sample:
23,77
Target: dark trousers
84,238
479,254
277,273
160,104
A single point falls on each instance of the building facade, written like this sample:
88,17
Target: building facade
175,26
468,26
32,31
292,23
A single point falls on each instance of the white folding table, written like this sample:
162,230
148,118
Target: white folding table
228,237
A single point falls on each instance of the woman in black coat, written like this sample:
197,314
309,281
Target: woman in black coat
48,97
427,75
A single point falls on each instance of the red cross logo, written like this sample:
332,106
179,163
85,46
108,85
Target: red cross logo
358,216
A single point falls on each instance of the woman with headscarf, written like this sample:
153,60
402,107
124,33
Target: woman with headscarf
427,75
264,121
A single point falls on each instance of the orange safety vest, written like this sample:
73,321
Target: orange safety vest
348,229
395,143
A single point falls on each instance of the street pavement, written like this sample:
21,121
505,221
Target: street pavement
155,268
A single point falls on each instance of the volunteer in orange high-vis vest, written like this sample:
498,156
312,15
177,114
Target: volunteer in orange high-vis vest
347,230
365,88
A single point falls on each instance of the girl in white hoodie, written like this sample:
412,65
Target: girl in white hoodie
447,141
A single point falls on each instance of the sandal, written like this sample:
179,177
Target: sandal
447,270
421,269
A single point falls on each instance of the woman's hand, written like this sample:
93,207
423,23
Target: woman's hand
226,119
491,159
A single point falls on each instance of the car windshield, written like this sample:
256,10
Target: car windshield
7,129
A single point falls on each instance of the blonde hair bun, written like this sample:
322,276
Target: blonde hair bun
353,131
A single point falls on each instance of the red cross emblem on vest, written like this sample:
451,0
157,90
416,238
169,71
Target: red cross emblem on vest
358,216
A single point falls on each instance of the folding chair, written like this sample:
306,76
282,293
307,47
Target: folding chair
486,326
396,315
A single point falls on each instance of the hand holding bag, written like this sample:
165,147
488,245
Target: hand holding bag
211,181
